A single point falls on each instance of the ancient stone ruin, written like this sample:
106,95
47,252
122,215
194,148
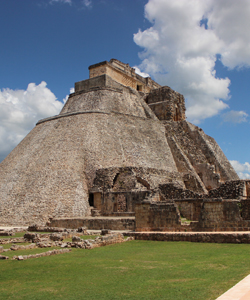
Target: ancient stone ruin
121,155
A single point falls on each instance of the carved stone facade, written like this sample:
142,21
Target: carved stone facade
123,74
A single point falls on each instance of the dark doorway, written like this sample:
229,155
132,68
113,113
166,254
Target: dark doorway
139,87
91,199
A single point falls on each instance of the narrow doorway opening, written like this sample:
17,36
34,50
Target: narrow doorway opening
139,88
91,199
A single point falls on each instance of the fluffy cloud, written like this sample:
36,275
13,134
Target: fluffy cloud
235,116
84,3
243,170
87,3
72,90
20,110
139,72
60,1
184,42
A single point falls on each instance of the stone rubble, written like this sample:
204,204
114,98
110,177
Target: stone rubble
57,240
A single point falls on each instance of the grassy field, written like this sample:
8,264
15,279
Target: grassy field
132,270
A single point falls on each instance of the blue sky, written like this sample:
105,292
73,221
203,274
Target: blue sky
201,48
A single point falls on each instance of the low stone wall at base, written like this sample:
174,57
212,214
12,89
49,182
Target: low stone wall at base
12,241
95,223
48,253
203,237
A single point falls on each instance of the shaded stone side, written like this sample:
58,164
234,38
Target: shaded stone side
191,179
192,147
214,155
167,104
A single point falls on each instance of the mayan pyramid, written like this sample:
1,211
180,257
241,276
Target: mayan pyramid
118,132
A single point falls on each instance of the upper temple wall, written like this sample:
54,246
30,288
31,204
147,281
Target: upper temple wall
123,74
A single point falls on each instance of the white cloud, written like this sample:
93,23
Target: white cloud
87,3
181,53
243,170
229,19
72,90
139,72
60,1
20,110
235,116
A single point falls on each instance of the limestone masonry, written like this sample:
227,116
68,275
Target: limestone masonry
121,147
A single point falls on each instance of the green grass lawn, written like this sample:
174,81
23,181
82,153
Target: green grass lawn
132,270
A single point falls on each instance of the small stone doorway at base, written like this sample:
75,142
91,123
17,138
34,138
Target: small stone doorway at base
95,200
91,199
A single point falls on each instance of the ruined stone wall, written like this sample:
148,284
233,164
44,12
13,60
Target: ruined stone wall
189,208
96,223
230,190
122,188
171,191
133,179
220,213
167,104
115,203
207,215
156,216
245,209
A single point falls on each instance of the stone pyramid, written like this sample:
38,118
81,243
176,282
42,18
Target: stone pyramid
118,134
